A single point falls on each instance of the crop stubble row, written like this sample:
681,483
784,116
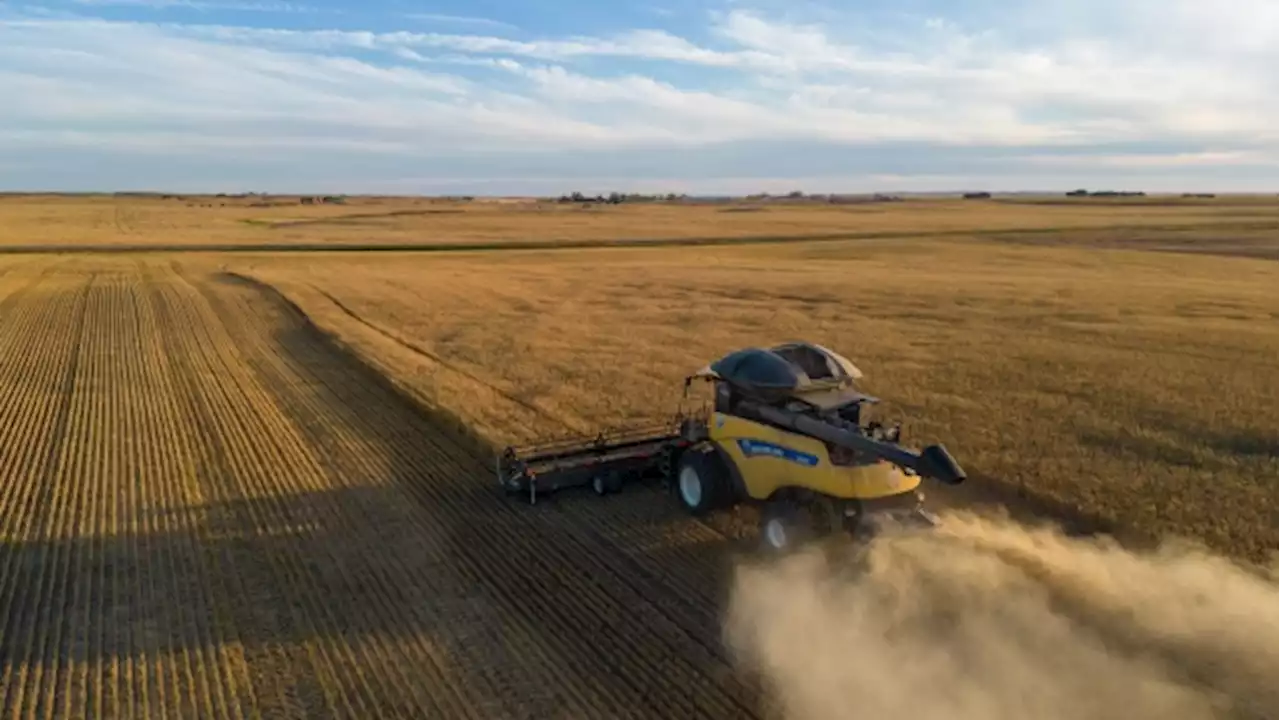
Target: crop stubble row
208,513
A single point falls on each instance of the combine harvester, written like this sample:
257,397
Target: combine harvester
787,430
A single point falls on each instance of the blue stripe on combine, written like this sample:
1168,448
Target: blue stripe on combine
754,448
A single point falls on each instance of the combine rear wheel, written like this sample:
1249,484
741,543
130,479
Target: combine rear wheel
784,526
700,480
788,523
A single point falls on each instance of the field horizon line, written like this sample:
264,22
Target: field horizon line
455,246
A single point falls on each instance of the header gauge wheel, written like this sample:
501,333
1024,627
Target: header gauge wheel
607,483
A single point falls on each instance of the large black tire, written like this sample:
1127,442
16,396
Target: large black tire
700,481
784,526
787,524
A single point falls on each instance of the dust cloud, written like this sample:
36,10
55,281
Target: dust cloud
984,619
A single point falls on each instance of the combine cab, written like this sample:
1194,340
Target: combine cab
787,430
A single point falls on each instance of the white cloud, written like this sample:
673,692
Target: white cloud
1165,160
1077,88
136,81
1173,76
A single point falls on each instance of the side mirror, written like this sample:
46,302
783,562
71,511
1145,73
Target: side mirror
894,434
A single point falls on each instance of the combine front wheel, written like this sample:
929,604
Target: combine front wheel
699,481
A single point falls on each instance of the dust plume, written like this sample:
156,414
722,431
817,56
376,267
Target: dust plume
984,619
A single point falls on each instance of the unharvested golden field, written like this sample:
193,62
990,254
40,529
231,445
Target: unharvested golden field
1239,224
1138,388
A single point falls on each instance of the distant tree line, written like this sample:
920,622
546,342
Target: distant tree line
795,196
259,199
1105,193
615,198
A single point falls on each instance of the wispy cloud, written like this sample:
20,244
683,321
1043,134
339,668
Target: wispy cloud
1165,86
460,20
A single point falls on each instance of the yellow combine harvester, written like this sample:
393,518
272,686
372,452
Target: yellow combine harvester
787,430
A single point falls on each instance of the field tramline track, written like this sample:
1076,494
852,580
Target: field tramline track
208,512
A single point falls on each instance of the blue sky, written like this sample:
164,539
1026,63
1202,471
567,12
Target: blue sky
701,96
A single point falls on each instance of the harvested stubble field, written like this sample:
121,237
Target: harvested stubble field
208,511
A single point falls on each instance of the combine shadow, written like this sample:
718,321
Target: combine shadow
1179,441
993,495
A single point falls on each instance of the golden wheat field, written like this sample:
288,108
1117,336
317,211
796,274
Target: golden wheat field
1136,386
1245,222
248,484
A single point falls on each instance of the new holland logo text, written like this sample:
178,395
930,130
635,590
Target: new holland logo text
752,448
